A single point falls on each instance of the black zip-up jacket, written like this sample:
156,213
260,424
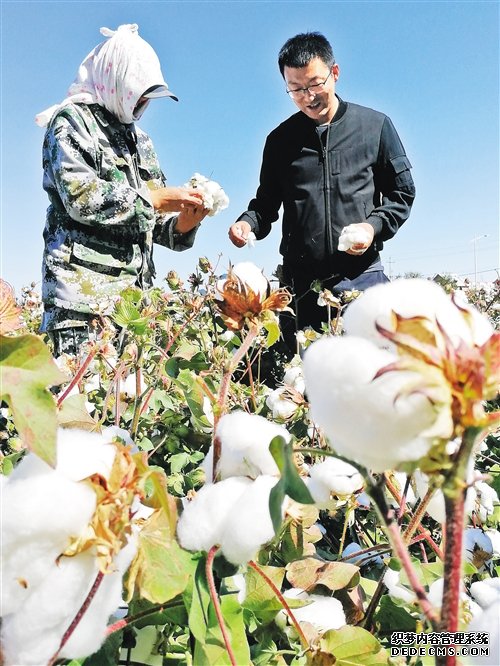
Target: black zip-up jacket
353,170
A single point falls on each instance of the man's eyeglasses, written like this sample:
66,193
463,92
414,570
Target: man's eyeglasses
314,89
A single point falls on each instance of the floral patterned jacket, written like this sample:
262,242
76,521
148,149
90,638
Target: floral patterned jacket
101,224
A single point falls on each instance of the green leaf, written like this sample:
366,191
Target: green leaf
290,482
259,595
352,646
161,569
197,600
73,414
389,615
127,315
212,652
273,332
27,369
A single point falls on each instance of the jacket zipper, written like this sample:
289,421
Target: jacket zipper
326,190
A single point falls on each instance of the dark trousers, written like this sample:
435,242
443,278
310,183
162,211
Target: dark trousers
305,302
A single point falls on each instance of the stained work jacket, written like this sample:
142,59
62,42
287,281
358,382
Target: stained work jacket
101,224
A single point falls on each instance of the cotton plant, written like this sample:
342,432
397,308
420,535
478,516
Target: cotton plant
406,387
487,595
214,198
351,235
66,527
244,297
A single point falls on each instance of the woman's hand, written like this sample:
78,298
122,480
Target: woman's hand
176,199
189,217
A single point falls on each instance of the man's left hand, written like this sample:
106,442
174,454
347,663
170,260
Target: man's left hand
360,248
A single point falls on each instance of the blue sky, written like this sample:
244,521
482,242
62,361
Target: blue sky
433,67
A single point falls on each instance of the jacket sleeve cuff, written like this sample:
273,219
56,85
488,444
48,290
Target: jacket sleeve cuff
376,222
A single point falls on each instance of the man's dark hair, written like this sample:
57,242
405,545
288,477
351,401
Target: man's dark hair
298,51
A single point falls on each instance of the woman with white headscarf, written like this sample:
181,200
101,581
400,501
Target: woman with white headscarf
108,199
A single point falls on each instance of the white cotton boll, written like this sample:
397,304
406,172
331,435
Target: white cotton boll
400,478
486,498
128,386
114,432
486,592
494,536
251,238
214,197
245,440
324,613
436,507
204,517
410,298
47,612
294,377
396,589
248,524
351,235
476,541
366,420
337,476
81,454
91,631
487,621
45,510
281,407
252,276
240,583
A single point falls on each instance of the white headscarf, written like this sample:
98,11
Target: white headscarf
115,74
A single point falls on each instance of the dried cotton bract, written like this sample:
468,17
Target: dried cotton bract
244,296
214,197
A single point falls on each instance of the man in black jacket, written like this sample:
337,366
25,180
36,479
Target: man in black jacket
333,165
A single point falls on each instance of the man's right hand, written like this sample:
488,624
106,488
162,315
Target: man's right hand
175,199
238,233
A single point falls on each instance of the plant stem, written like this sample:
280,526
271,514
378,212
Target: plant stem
454,490
215,600
400,549
81,612
283,602
77,377
121,624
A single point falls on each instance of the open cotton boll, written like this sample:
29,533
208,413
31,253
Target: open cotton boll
248,525
396,589
351,235
334,476
252,276
487,621
203,520
128,386
486,498
280,405
245,440
370,421
323,612
411,298
486,592
45,510
436,507
214,197
294,377
81,454
478,548
91,631
54,603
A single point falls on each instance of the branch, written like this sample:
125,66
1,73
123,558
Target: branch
215,600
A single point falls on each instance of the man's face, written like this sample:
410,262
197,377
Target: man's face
320,105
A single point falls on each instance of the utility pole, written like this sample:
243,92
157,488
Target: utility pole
474,241
390,261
